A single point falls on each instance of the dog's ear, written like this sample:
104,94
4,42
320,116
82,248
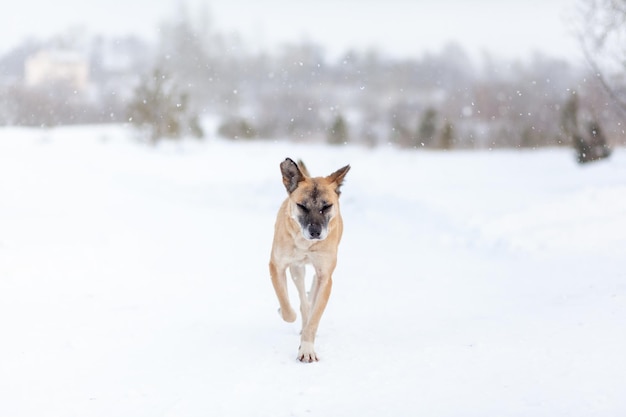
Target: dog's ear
337,178
303,168
291,175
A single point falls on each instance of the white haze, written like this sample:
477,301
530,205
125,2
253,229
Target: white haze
511,30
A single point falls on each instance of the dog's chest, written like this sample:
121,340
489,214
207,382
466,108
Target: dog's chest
301,252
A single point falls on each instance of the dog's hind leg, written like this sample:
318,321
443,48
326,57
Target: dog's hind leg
315,287
297,274
279,281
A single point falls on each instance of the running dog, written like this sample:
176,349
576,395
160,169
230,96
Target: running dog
307,231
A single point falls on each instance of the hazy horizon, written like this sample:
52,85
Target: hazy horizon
400,28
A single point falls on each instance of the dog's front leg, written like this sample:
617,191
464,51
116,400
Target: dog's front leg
297,274
323,285
279,281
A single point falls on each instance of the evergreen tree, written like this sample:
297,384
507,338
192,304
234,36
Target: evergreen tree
569,116
427,128
162,109
446,140
338,132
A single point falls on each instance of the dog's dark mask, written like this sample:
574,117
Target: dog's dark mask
313,213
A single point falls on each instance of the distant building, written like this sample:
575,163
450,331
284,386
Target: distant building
53,66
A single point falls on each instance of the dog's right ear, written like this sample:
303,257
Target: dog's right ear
291,175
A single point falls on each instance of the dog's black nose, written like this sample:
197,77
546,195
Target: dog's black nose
315,230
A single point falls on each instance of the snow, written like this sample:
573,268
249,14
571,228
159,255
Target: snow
134,281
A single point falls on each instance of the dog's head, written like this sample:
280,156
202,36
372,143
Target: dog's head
313,202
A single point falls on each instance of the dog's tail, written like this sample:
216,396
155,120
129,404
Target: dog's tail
303,168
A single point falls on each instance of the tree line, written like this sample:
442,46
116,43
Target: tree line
192,74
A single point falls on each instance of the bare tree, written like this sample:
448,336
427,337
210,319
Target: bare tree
602,35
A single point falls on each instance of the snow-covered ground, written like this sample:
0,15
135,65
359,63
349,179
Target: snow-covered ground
134,282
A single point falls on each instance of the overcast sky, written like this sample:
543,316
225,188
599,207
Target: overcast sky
509,29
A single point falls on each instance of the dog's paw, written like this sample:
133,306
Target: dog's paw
306,353
289,315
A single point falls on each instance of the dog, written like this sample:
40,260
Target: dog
307,231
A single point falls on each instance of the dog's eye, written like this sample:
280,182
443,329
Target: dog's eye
326,208
302,207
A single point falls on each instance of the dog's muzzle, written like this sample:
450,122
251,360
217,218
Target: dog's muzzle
314,231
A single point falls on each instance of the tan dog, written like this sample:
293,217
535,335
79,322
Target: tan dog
308,230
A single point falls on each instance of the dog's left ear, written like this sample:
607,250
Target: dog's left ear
291,175
337,178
